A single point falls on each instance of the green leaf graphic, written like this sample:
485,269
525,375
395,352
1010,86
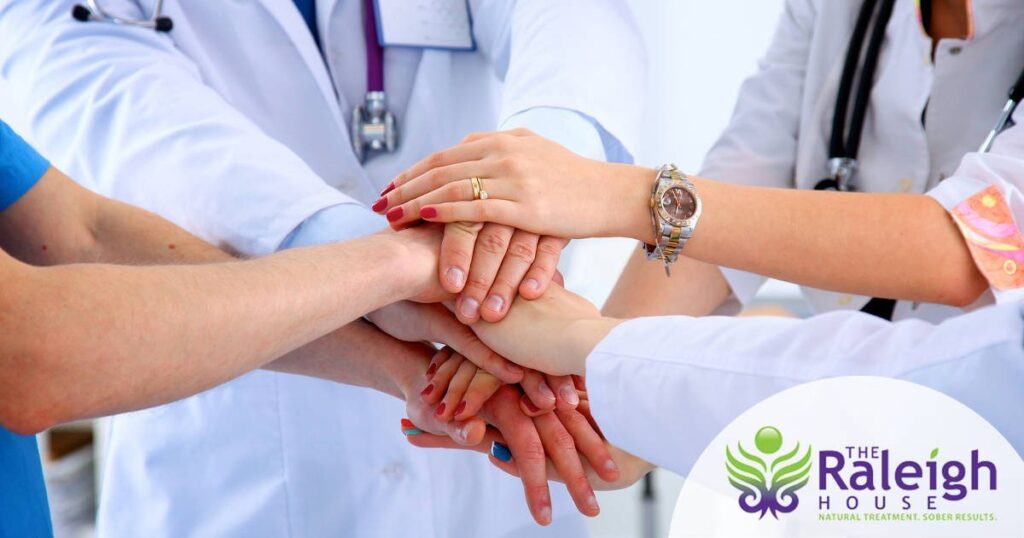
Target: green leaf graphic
741,471
935,452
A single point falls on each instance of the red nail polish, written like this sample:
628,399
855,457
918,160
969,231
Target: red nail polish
379,205
460,408
428,390
395,214
389,188
529,405
431,370
428,213
407,424
440,410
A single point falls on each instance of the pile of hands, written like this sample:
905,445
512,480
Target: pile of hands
491,293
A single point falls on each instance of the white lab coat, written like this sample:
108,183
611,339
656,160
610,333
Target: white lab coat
664,397
231,127
779,133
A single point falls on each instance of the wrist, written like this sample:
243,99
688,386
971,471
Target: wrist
632,198
583,335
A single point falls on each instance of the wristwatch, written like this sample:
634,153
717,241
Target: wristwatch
675,210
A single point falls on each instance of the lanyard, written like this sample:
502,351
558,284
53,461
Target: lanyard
374,52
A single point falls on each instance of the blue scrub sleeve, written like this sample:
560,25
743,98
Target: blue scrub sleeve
20,166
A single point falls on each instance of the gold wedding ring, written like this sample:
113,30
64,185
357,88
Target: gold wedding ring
478,188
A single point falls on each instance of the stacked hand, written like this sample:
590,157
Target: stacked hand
509,384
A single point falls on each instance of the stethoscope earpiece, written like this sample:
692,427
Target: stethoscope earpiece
94,12
81,13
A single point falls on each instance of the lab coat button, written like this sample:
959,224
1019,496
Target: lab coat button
906,184
844,300
953,51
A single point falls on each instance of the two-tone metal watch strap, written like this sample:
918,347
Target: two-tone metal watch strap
670,239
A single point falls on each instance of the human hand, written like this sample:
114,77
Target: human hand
488,264
553,334
459,389
532,184
414,322
529,445
418,249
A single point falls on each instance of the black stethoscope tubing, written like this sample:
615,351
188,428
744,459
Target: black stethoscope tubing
844,143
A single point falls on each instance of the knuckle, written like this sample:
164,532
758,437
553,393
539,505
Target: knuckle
492,243
561,440
531,450
436,159
549,249
522,250
479,282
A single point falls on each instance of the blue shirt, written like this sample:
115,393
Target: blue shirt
24,511
308,10
20,166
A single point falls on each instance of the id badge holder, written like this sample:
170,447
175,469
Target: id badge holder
425,24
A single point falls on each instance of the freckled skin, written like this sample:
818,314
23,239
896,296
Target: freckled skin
45,247
170,247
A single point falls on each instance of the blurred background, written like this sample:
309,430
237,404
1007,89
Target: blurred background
700,52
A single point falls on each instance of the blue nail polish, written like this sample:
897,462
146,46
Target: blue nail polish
412,431
500,451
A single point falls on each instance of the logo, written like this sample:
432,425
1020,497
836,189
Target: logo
768,483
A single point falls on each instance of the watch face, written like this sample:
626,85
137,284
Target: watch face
678,203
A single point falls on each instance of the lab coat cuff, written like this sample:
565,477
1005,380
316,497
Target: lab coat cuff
636,405
569,128
578,132
333,224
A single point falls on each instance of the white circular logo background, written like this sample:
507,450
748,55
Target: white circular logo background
855,456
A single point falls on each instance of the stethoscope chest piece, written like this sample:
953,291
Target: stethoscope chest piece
374,128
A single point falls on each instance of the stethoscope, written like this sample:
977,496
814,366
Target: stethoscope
94,12
373,127
844,144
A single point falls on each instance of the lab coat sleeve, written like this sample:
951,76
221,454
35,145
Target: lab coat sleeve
985,200
586,56
663,388
126,113
759,146
570,129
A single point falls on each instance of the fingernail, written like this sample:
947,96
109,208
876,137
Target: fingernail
495,303
440,410
611,467
530,406
545,515
395,214
408,428
460,408
591,503
428,213
469,307
428,390
389,188
569,395
379,205
532,284
431,370
456,276
462,433
546,391
500,451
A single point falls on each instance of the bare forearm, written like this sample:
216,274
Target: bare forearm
885,245
694,289
98,339
362,355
